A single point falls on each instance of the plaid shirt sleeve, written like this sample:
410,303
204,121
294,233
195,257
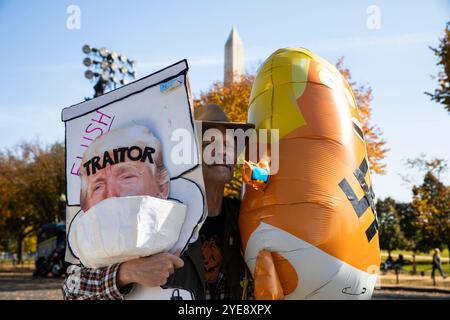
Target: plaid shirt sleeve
91,284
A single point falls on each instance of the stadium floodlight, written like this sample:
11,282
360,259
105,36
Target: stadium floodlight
87,49
123,58
89,74
105,76
114,67
108,69
87,62
114,55
104,65
104,52
116,79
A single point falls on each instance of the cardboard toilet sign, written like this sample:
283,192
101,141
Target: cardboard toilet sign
124,173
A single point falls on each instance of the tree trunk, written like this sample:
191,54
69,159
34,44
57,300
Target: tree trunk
19,249
448,247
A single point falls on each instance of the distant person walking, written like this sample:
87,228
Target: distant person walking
437,264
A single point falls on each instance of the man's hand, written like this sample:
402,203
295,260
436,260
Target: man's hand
150,271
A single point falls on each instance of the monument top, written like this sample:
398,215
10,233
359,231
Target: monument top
234,57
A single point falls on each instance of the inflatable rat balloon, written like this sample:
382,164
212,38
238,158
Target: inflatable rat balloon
311,232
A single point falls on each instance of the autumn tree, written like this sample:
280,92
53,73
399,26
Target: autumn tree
431,205
16,213
442,93
409,227
233,97
376,145
418,167
391,235
31,189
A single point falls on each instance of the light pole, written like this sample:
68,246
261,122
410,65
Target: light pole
107,69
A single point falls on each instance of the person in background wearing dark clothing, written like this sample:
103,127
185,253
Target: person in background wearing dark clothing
398,267
400,262
226,274
436,264
388,263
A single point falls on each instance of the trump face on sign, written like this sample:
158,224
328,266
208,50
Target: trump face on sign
123,162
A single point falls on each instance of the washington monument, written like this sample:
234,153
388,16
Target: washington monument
234,58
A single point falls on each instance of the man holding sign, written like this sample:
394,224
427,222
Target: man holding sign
211,268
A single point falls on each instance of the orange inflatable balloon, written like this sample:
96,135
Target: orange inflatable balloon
311,232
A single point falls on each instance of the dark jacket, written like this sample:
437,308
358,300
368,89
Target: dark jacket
191,276
436,261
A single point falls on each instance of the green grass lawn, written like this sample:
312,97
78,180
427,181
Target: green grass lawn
420,256
426,268
423,261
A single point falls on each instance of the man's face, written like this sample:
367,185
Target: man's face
129,178
220,173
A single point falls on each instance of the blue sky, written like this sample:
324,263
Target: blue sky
42,69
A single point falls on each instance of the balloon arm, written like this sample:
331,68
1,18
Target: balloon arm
256,174
266,281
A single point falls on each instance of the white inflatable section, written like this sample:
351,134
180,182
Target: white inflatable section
320,275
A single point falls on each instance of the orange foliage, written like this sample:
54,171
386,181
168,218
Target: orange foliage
233,98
